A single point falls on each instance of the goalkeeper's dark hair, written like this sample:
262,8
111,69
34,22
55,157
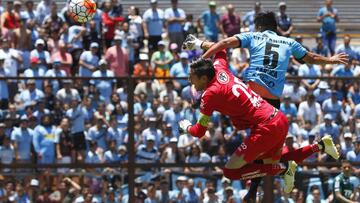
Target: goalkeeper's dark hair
266,21
203,67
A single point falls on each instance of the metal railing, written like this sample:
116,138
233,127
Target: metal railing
130,81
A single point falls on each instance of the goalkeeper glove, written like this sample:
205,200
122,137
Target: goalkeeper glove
191,43
183,126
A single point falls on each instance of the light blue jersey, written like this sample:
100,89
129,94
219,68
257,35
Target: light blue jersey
269,58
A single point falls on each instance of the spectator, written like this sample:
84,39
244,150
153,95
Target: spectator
64,146
330,128
36,70
41,54
31,94
285,26
348,49
347,145
40,110
230,22
220,157
64,57
296,91
28,14
4,88
147,153
173,116
111,155
320,48
7,153
322,92
42,10
309,70
21,195
161,60
175,18
143,67
77,115
117,57
287,107
315,196
190,27
105,87
181,69
290,144
168,92
22,138
191,193
53,21
97,133
344,71
44,141
135,28
10,20
109,22
151,194
174,50
89,61
328,16
142,104
353,95
22,42
12,63
294,129
343,188
130,43
115,133
74,40
249,18
153,25
56,71
177,194
163,194
333,107
197,156
310,110
152,130
92,156
67,94
354,155
211,23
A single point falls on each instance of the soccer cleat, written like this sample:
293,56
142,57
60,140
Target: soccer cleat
289,176
329,146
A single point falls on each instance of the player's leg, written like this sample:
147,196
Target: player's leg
326,145
267,139
256,181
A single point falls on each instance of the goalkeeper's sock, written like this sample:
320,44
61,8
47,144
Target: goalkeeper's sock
254,171
300,154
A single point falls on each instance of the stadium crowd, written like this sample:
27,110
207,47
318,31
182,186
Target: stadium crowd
65,121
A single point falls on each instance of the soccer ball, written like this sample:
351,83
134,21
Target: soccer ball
82,11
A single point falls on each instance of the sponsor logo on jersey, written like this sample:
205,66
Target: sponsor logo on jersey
223,77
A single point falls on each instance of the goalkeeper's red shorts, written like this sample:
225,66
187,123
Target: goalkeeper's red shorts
266,139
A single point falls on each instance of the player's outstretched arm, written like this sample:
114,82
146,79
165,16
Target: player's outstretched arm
191,42
230,42
313,58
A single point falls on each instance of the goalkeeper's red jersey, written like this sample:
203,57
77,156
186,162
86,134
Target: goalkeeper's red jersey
228,95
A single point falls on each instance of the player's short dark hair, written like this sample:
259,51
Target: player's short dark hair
203,67
266,21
